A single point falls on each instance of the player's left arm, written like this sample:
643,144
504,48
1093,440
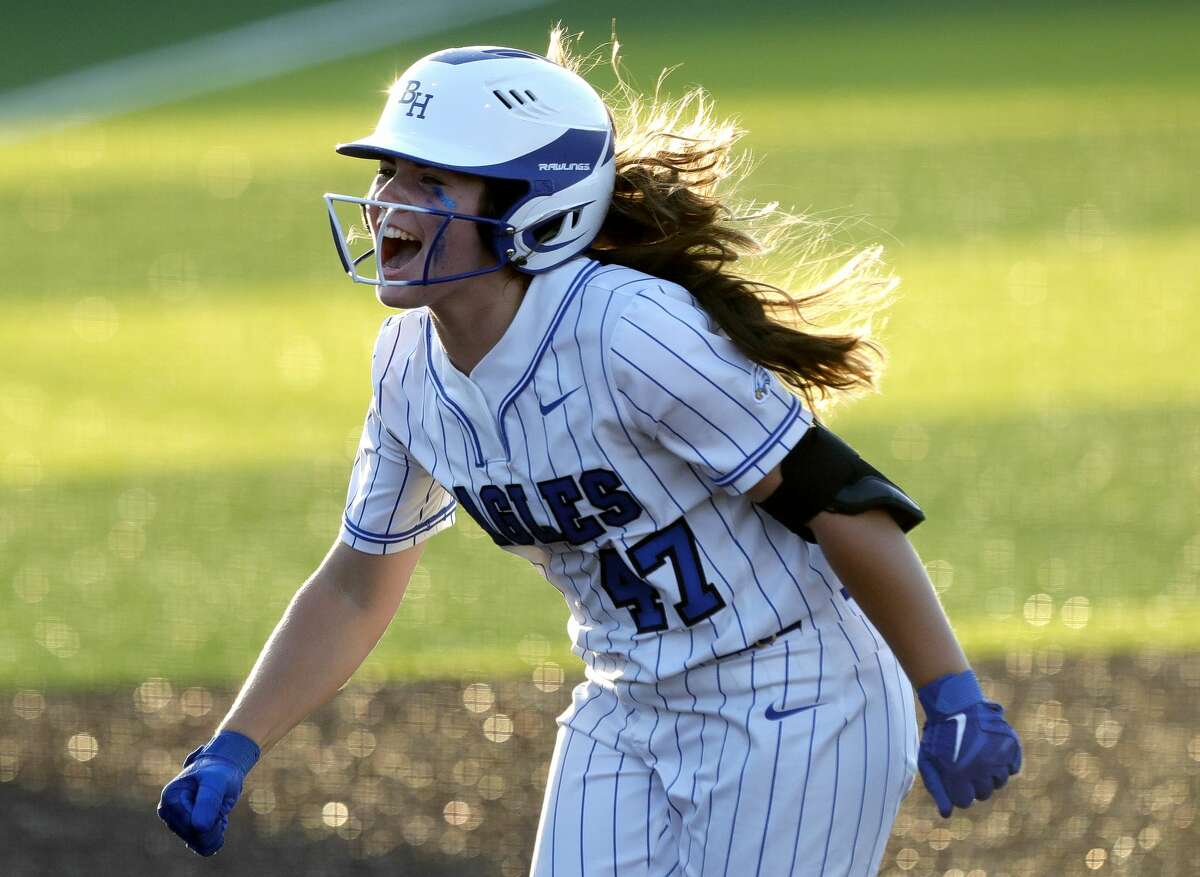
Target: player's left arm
967,748
877,564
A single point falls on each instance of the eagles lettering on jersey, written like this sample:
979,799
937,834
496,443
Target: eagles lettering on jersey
608,438
509,519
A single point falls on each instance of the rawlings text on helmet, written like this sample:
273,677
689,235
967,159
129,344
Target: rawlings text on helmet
567,166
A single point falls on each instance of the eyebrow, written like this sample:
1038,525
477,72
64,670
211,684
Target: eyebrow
391,160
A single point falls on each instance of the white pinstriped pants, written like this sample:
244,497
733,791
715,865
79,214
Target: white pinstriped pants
719,771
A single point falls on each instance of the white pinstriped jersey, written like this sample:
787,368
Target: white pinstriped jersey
608,438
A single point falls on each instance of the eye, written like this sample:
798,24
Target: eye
431,180
385,171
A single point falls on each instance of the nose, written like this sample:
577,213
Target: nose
384,189
394,190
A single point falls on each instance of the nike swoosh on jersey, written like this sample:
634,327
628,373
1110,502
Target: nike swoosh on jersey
961,720
546,409
775,715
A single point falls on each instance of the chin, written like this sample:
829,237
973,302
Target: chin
409,296
404,296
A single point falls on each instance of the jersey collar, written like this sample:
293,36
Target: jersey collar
506,369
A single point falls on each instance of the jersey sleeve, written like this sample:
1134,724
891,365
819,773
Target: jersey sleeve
392,503
687,386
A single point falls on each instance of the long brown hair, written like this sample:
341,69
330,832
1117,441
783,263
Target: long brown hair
672,216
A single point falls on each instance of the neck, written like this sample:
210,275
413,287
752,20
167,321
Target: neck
470,320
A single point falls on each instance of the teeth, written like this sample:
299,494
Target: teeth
392,232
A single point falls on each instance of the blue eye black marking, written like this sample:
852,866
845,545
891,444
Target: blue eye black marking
446,201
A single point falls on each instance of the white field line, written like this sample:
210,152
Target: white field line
263,48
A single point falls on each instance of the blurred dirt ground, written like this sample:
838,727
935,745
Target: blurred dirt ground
446,778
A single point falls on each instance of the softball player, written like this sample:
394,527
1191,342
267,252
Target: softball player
576,369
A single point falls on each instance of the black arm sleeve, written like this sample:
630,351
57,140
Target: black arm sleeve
823,473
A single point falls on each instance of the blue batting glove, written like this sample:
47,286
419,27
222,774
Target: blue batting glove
196,804
968,750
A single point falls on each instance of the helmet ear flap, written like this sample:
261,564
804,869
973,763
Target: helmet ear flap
552,227
501,198
555,226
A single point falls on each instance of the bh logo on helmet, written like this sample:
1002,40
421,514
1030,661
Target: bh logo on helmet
416,100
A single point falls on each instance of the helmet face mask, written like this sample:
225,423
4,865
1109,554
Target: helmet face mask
513,118
357,261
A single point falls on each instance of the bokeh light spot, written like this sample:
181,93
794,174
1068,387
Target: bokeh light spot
262,800
1095,858
1038,609
29,704
478,697
83,746
335,814
907,859
31,584
498,728
457,813
10,759
1149,837
1108,733
1052,725
1075,612
152,695
492,786
548,677
418,829
452,843
195,702
360,742
57,637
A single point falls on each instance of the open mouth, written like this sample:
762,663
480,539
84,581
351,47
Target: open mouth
397,249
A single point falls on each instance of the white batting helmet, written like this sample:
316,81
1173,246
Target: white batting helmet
505,114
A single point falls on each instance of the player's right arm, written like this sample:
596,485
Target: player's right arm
331,625
333,621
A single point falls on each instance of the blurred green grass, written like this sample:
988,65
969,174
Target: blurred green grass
183,369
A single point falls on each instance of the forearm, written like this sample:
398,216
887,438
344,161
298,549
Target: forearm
881,570
323,637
